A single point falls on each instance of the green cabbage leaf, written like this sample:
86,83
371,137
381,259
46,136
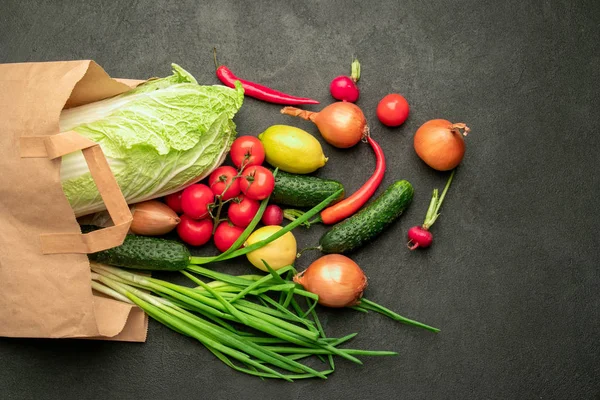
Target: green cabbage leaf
158,138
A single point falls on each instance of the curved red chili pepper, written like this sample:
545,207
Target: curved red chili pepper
353,203
259,91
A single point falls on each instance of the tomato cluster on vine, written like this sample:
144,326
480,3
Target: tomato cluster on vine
235,190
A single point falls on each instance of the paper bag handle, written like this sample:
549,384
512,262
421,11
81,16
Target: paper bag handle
54,146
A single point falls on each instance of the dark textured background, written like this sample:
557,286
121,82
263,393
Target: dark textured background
512,279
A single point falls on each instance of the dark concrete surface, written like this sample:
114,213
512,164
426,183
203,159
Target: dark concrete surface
513,277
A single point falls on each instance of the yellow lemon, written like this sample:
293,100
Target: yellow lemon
277,254
292,150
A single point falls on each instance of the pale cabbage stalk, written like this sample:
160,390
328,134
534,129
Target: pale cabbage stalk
158,138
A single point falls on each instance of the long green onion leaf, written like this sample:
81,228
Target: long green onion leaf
261,352
259,282
144,301
228,307
370,305
313,211
322,331
298,350
234,280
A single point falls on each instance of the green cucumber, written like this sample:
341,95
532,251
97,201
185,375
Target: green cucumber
145,253
369,222
302,190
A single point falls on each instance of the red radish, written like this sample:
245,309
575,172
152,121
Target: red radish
344,87
419,236
440,144
341,124
273,215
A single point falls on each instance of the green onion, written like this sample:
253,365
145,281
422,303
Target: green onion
368,305
158,311
205,315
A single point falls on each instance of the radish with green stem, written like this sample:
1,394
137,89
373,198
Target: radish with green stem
420,236
344,88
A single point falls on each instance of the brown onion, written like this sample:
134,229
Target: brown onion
153,218
336,279
341,124
440,143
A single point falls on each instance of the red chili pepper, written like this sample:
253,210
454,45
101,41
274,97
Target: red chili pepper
259,91
352,204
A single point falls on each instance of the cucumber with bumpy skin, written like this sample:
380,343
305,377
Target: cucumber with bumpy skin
369,222
302,190
144,253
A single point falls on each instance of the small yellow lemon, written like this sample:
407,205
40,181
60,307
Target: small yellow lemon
292,150
277,254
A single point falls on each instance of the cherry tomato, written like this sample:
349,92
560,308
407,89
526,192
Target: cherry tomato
173,200
226,234
247,150
241,212
220,179
393,110
257,182
273,215
194,232
195,200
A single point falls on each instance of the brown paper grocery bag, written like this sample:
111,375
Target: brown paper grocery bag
45,288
